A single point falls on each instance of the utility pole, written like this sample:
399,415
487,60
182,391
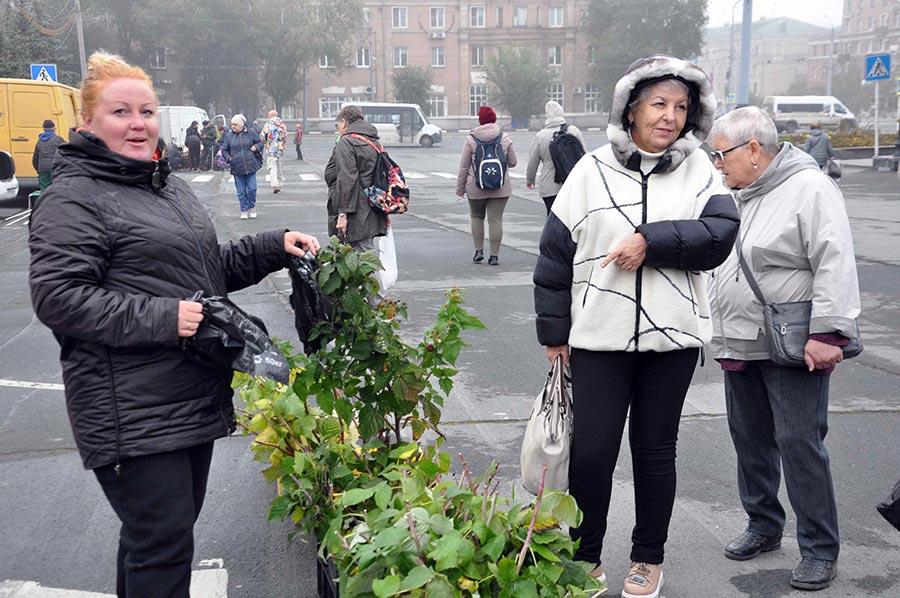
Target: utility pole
746,34
729,80
79,28
830,61
304,96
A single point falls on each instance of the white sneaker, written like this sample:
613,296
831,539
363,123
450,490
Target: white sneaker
243,215
252,212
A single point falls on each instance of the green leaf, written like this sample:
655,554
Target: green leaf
561,506
404,451
440,524
452,550
439,587
548,571
355,496
494,548
523,588
383,494
328,427
446,385
416,578
258,423
281,508
386,587
390,537
545,553
506,571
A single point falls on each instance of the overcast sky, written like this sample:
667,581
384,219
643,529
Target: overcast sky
818,12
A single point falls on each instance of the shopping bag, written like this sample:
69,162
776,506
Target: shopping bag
833,168
388,256
548,435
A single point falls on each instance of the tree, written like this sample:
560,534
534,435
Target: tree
626,30
520,76
22,44
412,85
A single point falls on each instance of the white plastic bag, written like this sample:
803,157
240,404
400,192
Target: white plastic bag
388,256
548,435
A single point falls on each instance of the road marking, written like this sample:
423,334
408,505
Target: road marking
36,385
411,174
444,175
309,177
16,218
208,583
202,178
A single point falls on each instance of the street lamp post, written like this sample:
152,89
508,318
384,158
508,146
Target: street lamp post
746,33
729,80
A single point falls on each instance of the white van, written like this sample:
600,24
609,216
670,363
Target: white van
399,123
174,121
794,112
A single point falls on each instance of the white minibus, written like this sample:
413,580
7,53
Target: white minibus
800,112
399,123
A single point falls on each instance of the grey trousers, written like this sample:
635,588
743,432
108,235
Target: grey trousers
778,417
493,208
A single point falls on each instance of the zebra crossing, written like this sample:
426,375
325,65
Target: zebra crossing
313,178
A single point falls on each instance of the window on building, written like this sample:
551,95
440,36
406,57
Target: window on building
437,56
477,53
556,16
476,16
437,105
399,17
520,16
158,58
401,57
591,98
884,19
499,16
329,106
363,58
555,93
555,56
592,54
325,62
437,17
884,44
478,97
871,23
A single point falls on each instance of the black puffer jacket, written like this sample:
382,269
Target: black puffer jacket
115,244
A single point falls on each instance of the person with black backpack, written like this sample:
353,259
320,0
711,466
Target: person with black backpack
483,178
558,146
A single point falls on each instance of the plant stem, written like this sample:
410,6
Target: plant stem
537,506
412,529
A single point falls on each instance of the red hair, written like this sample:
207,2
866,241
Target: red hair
103,68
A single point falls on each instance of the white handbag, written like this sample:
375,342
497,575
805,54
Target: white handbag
548,436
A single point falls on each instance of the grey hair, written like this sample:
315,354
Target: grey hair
745,124
645,92
350,114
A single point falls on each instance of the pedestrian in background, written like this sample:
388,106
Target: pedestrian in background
192,141
795,239
539,153
274,135
45,152
298,140
818,145
349,171
484,202
208,137
243,154
620,293
116,245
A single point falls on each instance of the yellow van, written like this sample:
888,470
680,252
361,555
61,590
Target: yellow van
24,105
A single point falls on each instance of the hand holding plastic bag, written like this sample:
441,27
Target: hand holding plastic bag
310,305
228,337
386,252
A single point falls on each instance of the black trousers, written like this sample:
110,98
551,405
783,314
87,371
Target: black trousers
157,498
605,387
299,152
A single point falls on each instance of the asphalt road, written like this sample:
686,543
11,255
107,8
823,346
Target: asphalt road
58,530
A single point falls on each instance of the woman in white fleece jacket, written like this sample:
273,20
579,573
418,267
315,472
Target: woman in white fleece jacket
620,289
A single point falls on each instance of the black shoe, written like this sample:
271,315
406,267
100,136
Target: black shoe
493,261
479,256
813,574
750,544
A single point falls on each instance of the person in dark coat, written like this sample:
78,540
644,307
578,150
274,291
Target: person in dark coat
242,150
193,142
45,153
621,294
208,137
818,145
116,245
349,171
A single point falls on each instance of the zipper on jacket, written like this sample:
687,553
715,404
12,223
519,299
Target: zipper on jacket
639,275
115,403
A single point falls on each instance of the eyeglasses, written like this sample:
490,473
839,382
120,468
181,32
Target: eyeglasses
720,154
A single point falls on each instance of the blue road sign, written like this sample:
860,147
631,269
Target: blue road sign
43,72
878,67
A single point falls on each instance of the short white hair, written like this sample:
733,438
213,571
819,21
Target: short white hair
745,124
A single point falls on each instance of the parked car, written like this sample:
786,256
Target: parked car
9,184
800,112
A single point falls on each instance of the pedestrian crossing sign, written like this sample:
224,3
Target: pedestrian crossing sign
43,72
878,67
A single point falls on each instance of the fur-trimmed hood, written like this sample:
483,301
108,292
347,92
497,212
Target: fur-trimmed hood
700,115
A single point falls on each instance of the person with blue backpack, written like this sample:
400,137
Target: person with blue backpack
483,178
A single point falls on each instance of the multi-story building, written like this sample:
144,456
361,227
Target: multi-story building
454,38
778,51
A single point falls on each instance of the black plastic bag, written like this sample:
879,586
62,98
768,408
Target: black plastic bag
890,507
228,337
310,305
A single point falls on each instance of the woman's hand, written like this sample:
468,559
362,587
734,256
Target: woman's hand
341,225
297,243
563,350
190,314
629,254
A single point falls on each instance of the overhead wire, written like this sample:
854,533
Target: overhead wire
70,20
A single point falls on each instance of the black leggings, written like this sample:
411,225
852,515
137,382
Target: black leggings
604,385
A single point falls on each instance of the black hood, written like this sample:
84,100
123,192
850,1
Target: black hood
87,155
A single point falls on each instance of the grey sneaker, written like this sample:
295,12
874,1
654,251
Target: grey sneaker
813,574
244,215
253,212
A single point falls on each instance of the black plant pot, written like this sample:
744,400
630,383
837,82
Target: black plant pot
327,575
